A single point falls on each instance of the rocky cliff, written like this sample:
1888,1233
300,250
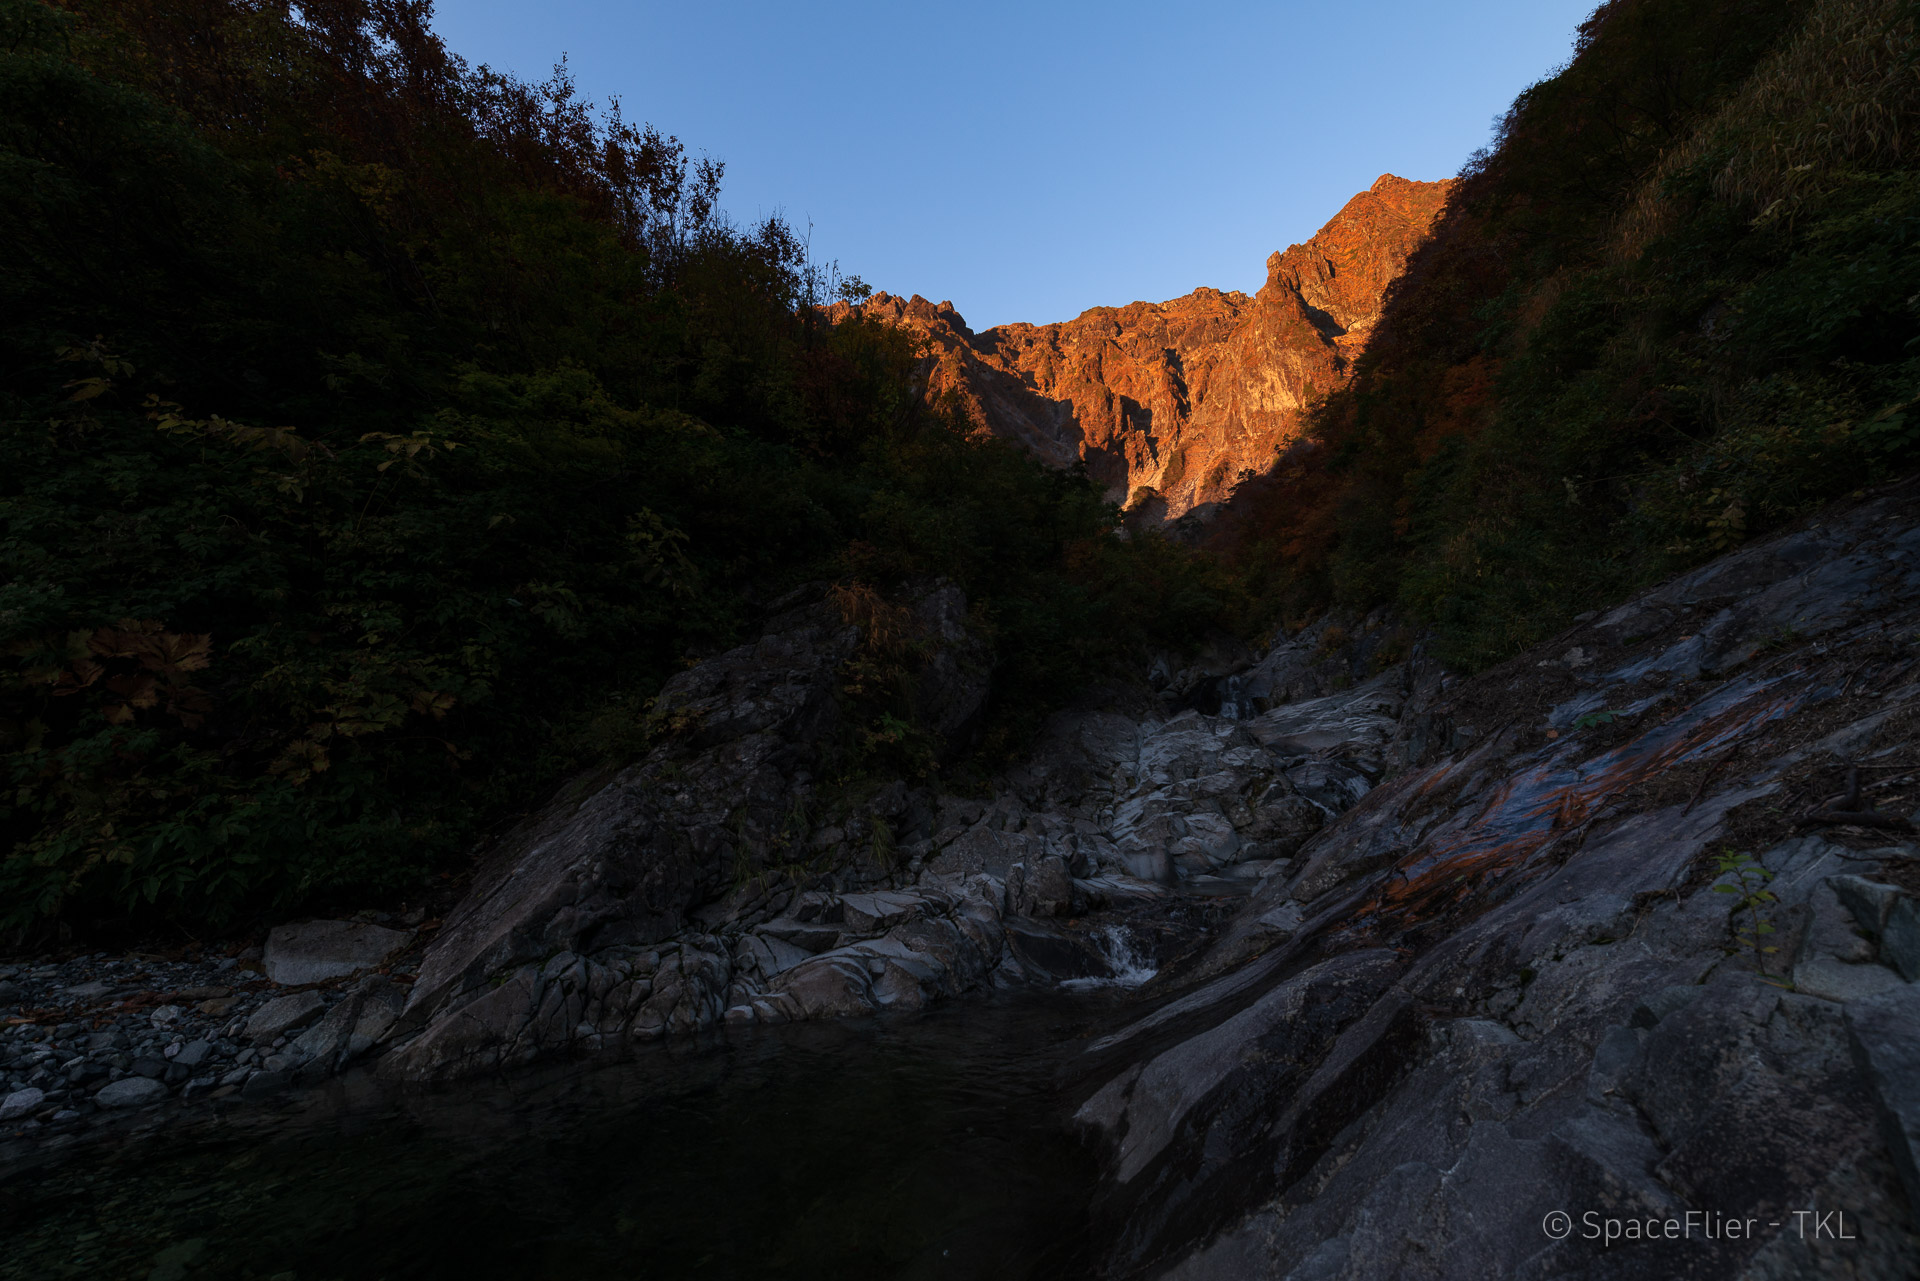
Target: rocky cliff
1474,977
724,878
1628,938
1168,404
1456,977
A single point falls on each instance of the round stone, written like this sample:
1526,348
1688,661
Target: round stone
131,1092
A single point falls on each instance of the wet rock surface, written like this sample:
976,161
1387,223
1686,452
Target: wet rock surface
1632,947
717,882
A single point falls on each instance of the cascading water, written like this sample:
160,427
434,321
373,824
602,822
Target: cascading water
1233,704
1128,967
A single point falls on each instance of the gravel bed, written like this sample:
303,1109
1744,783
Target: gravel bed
105,1033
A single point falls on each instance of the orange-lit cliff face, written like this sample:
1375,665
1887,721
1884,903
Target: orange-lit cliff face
1181,397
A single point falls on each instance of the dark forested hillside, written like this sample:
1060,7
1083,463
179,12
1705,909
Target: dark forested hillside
1675,304
380,431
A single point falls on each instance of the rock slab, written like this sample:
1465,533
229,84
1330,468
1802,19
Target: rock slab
1885,1033
283,1014
316,951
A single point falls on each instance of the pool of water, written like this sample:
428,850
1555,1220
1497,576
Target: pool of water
923,1147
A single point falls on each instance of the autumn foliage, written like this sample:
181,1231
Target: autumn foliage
1675,304
378,432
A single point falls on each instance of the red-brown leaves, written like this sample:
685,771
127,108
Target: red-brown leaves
138,665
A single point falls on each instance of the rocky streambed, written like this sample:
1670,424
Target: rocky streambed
1380,971
100,1033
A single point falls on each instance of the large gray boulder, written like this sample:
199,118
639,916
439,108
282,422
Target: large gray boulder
283,1014
349,1029
1885,1036
316,951
597,918
624,861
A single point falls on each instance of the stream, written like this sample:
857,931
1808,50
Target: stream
927,1146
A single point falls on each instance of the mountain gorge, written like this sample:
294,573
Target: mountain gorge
480,642
1170,405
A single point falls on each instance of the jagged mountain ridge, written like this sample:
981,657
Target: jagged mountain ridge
1169,404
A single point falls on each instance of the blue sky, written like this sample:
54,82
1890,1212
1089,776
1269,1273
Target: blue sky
1028,161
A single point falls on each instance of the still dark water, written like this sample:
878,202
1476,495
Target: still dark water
922,1147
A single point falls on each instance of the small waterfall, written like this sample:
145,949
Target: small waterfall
1232,699
1129,967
